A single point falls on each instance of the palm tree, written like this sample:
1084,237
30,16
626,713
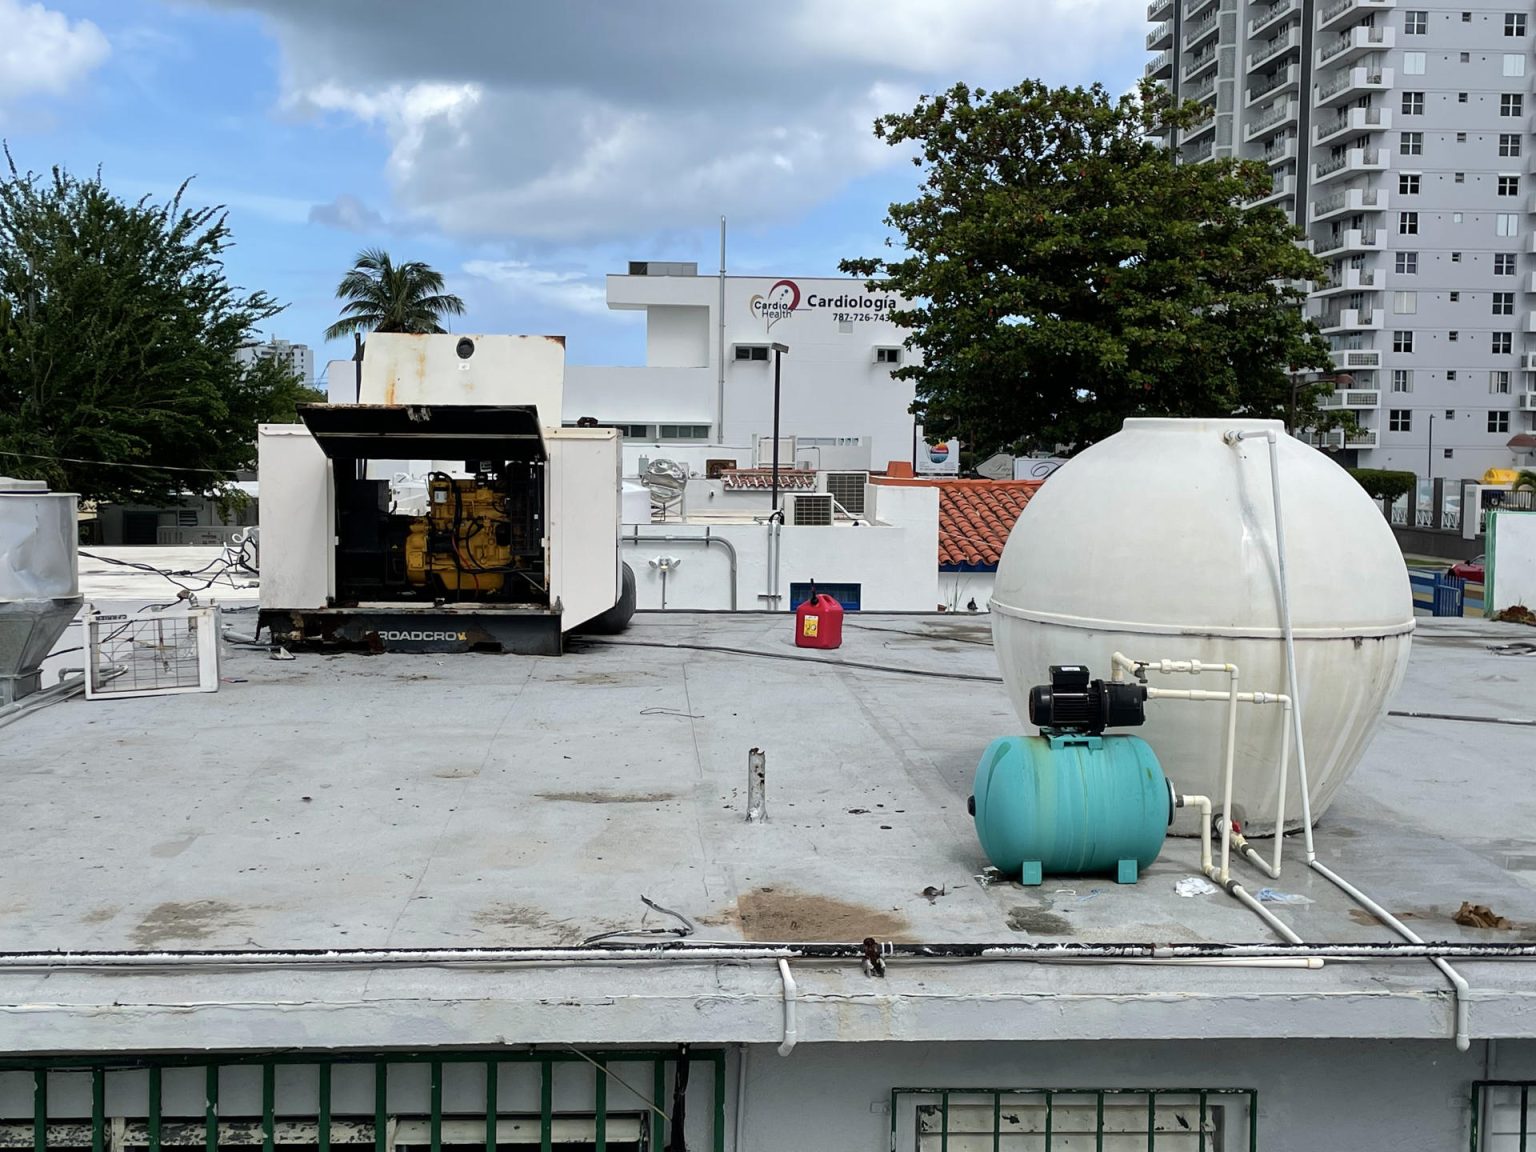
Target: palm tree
382,296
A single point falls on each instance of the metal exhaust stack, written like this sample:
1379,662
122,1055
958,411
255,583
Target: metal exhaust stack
39,580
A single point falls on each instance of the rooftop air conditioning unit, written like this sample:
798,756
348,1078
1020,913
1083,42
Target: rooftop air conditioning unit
847,488
809,509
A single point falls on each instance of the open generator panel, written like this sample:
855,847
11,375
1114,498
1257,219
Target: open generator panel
482,538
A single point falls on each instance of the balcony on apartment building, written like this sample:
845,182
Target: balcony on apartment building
1528,361
1352,120
1275,47
1350,280
1529,324
1335,13
1202,151
1194,8
1160,37
1349,240
1198,32
1160,67
1199,64
1280,150
1354,399
1350,320
1349,200
1204,90
1270,119
1353,160
1286,80
1267,18
1530,241
1357,41
1282,187
1357,359
1529,283
1528,401
1159,10
1351,83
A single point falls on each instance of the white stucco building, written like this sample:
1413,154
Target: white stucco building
297,357
708,375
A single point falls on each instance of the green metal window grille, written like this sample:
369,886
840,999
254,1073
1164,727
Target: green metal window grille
1501,1116
1074,1120
602,1100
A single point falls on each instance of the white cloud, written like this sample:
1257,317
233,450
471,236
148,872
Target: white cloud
522,283
347,212
43,52
584,120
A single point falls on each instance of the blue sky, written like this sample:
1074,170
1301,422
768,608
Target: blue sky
523,148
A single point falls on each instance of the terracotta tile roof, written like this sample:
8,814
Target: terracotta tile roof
790,479
975,517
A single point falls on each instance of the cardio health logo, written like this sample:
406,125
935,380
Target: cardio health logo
780,301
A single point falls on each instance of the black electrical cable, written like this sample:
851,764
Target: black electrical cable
1517,721
932,673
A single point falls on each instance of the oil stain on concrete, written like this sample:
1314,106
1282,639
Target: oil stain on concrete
192,920
783,914
609,797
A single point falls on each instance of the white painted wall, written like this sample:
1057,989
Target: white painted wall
1512,542
831,385
895,562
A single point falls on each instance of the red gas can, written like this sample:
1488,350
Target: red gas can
819,622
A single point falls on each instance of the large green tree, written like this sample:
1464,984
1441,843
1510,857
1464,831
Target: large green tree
118,338
1064,273
382,296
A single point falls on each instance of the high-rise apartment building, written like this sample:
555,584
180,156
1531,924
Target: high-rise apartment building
1399,137
297,357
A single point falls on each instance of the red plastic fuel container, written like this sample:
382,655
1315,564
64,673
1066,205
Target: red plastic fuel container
819,622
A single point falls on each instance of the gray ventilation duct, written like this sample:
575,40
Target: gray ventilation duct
39,579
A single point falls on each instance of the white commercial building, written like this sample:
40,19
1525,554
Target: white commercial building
709,371
298,357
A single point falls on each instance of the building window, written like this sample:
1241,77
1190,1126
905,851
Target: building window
1408,184
1498,421
887,355
685,431
1461,97
1402,379
928,1120
1407,263
1413,63
1450,376
1400,420
1506,224
1453,335
1514,23
1455,257
1408,223
1466,58
1411,144
1503,303
1415,23
1450,453
1509,185
752,352
1461,137
1466,17
1503,263
1514,64
1498,383
1402,341
1509,144
1511,103
1455,296
1501,343
1413,103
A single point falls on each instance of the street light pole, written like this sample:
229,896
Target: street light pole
778,361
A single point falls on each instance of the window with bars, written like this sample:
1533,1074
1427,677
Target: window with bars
1025,1119
620,1101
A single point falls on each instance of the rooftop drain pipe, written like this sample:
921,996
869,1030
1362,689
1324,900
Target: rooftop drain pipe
791,997
705,541
1232,887
1461,989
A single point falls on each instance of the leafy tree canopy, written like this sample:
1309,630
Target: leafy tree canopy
118,339
383,296
1064,273
1385,484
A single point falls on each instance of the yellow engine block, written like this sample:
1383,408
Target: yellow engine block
464,540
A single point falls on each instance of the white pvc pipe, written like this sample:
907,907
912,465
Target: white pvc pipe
1230,754
1232,887
1460,988
791,995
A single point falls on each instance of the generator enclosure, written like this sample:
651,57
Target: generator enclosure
447,510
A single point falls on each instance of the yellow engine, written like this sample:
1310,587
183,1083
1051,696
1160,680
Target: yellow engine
465,539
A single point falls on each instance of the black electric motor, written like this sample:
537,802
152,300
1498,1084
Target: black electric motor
1074,702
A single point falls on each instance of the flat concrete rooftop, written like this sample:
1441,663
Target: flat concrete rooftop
446,801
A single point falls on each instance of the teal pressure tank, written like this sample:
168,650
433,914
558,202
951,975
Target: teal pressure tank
1069,803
